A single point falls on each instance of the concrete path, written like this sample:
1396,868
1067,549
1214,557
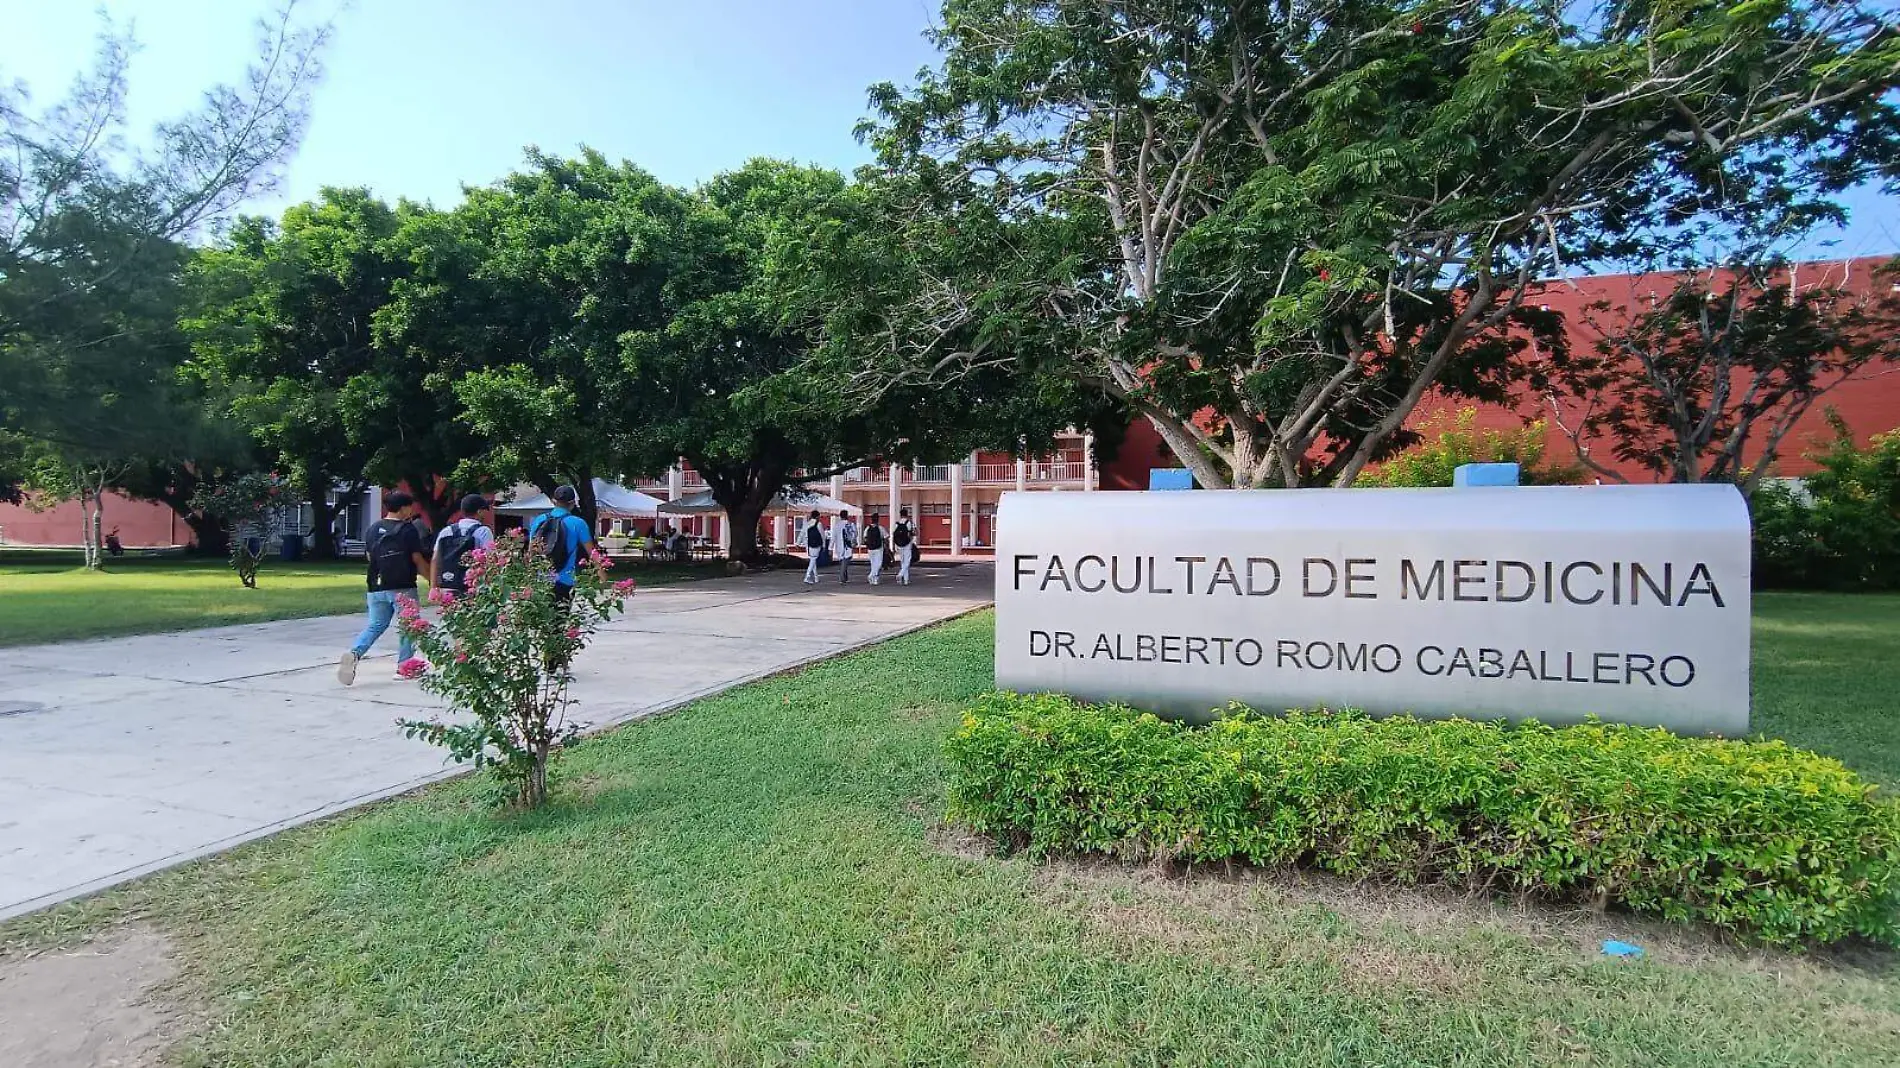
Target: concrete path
125,756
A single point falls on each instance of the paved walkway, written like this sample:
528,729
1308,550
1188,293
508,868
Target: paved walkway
125,756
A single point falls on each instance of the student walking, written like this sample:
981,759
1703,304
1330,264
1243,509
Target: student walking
561,537
814,547
395,562
844,534
904,540
874,545
448,566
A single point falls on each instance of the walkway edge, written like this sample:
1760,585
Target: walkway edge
81,891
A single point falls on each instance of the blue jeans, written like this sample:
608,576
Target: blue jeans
382,610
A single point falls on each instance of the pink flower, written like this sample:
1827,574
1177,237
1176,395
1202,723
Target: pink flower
573,632
412,668
461,658
624,587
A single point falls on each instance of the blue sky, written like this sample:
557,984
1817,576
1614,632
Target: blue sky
424,95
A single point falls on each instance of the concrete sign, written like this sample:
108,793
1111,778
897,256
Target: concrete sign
1554,603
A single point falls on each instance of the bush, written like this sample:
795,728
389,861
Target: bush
1841,530
502,656
1750,836
1451,441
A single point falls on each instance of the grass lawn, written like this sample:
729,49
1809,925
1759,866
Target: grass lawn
1827,677
761,879
47,597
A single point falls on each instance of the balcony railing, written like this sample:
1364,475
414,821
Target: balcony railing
1055,471
1037,471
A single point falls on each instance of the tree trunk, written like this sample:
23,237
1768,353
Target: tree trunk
210,535
92,497
322,516
587,506
433,497
744,500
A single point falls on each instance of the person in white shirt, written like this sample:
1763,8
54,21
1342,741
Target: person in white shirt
449,562
904,540
844,544
874,545
814,547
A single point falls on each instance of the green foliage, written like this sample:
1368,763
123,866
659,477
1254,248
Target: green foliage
299,327
247,505
502,653
1750,836
1841,529
1451,441
1275,228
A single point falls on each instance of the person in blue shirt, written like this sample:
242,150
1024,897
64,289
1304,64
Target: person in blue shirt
576,535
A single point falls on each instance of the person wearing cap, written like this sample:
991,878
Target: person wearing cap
448,564
575,534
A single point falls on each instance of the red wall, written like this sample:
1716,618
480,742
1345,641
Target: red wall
141,524
1870,403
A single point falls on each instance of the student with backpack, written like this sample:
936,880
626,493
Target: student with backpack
814,548
904,540
561,536
845,535
874,544
448,568
395,563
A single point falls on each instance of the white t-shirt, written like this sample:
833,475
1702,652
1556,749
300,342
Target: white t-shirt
483,537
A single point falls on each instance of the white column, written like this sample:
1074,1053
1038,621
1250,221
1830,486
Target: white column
897,499
1088,461
956,509
725,534
375,508
1022,474
837,487
675,482
781,532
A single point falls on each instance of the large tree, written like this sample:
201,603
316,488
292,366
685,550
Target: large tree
291,328
1273,229
92,246
518,301
740,381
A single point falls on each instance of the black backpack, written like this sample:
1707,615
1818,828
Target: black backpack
388,558
450,556
550,540
874,537
814,536
900,535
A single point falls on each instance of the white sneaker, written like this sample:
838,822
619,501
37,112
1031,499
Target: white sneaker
346,668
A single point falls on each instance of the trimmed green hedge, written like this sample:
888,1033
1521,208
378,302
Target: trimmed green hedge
1752,836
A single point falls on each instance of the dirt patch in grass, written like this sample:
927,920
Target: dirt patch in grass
1409,935
953,840
90,1005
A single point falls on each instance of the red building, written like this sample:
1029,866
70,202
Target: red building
1870,402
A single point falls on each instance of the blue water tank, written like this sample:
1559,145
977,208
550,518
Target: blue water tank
1485,475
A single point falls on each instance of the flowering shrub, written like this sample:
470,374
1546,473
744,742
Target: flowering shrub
501,653
248,507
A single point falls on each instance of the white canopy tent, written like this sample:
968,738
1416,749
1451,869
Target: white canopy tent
702,503
610,498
